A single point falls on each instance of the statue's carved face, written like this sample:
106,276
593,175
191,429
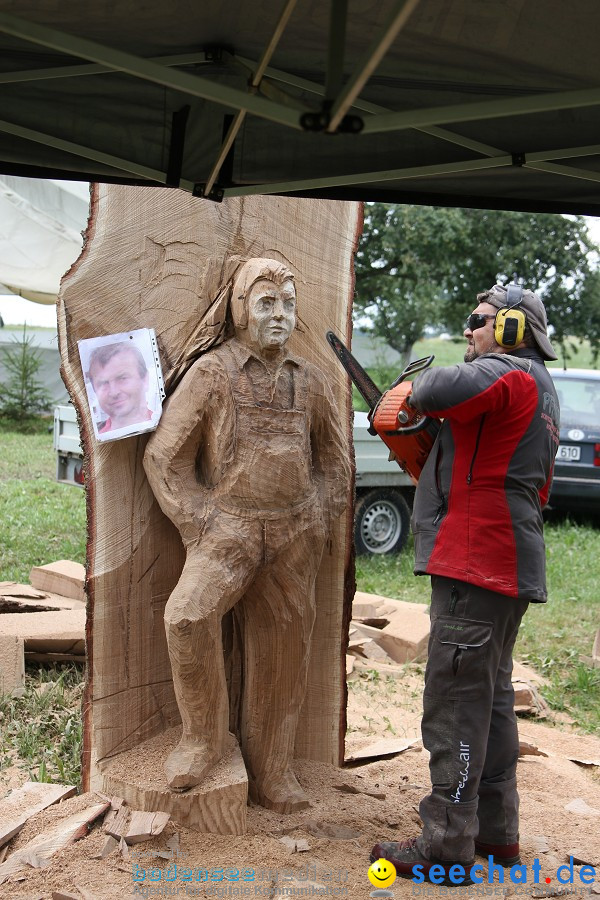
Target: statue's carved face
271,314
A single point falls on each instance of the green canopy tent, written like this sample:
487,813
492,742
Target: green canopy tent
487,103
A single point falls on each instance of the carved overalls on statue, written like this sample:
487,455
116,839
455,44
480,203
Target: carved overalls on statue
254,481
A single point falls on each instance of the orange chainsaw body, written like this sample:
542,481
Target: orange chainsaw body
404,430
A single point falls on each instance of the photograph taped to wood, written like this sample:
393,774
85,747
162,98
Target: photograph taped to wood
124,383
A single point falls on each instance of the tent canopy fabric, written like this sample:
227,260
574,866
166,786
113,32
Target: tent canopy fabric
486,103
40,235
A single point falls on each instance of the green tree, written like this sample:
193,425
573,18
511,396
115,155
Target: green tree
420,266
400,264
22,394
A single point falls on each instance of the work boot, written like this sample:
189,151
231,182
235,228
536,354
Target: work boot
405,855
504,854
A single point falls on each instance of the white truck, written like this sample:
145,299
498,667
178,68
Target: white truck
384,492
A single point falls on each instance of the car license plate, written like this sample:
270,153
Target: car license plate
566,451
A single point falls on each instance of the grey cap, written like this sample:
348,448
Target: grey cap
533,308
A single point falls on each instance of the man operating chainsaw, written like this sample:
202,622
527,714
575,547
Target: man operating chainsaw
477,523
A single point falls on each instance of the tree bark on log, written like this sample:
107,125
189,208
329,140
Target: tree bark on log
153,259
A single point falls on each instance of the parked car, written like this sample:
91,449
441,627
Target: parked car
576,484
384,494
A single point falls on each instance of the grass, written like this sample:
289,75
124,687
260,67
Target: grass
40,520
42,729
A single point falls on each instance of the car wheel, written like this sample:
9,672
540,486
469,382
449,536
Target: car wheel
381,522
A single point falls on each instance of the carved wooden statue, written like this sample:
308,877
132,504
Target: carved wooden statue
250,463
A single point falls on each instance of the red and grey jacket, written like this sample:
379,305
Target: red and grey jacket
477,515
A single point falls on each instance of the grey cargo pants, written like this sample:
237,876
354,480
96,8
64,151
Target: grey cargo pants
469,725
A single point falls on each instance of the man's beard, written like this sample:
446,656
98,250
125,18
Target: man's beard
471,353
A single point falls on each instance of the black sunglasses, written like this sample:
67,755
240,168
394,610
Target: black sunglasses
477,320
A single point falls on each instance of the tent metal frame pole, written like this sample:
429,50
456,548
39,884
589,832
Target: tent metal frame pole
470,165
567,171
115,162
150,71
182,59
485,110
375,53
338,19
312,87
255,81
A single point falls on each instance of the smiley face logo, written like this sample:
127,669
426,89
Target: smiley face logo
382,873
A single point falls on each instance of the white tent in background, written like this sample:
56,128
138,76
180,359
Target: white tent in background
40,234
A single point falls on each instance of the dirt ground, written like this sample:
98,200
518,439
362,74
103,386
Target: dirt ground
339,829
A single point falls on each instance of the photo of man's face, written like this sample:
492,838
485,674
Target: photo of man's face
120,386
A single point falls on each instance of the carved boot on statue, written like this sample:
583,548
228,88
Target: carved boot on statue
189,763
280,792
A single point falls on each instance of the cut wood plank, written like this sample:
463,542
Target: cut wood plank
407,635
37,600
41,848
24,802
52,658
43,632
528,700
19,605
12,665
62,577
25,591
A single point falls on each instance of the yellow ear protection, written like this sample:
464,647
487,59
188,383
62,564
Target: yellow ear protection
509,326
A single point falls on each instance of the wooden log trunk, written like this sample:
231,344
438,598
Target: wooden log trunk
151,259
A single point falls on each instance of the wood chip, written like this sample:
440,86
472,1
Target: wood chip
289,844
583,857
117,821
351,789
540,843
527,749
145,825
63,895
331,830
85,894
584,762
382,749
109,846
582,808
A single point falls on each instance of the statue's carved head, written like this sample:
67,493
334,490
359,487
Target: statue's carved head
263,303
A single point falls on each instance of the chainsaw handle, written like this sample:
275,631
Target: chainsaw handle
412,368
412,429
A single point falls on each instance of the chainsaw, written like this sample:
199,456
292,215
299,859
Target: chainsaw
407,433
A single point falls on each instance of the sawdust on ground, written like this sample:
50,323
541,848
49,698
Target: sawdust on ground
379,706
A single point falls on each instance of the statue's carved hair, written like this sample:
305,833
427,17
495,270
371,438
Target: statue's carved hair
247,275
